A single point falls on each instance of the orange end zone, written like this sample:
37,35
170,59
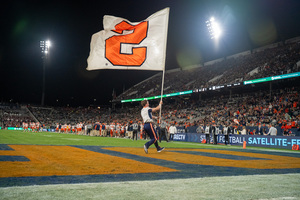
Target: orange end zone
182,156
66,160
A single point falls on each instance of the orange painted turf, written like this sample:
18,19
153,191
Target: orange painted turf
272,162
67,160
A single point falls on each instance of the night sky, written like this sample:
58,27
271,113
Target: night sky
246,24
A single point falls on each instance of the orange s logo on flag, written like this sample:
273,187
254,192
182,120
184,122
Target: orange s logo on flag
130,45
114,43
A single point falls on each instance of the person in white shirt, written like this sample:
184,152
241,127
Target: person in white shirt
146,113
206,131
172,131
244,131
272,130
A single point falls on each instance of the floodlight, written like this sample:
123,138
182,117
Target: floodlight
214,28
45,45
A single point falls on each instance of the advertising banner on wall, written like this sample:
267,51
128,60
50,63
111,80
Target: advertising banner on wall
284,142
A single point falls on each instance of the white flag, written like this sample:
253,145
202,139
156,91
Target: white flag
130,45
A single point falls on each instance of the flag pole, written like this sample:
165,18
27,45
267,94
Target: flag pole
161,93
163,75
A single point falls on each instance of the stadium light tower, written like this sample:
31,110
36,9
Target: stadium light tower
214,28
45,46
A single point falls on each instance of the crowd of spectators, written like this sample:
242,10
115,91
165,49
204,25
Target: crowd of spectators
254,109
12,115
242,110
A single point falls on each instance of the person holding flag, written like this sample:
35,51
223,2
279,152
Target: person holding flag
126,45
146,113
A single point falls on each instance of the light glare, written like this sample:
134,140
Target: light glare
214,28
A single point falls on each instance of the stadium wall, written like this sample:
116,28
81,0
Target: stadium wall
282,142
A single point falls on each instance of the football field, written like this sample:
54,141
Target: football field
65,166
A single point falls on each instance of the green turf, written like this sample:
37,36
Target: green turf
49,138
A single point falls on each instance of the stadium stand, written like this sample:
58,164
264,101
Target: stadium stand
12,115
277,59
249,109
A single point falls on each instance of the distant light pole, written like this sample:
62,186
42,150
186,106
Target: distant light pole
45,46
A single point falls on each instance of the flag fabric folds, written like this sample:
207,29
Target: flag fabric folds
130,45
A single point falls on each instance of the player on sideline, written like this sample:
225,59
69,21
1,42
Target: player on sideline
146,113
